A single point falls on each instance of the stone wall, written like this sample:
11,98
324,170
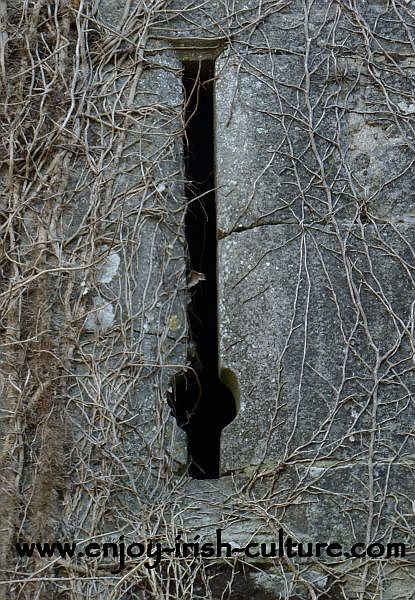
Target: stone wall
315,207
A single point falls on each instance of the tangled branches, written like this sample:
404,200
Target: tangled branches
315,146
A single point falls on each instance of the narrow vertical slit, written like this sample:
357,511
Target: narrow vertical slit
203,405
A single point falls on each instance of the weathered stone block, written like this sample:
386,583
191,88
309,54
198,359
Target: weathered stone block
312,141
315,323
321,501
134,301
341,503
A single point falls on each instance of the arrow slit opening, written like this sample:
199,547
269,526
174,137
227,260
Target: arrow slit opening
202,403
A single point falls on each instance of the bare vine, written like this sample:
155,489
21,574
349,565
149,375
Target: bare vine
93,279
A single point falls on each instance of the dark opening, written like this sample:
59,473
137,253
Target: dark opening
203,405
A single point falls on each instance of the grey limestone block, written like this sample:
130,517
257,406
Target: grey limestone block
184,20
135,335
282,26
311,140
340,28
316,325
324,503
321,502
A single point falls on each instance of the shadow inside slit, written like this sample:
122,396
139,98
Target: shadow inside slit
200,401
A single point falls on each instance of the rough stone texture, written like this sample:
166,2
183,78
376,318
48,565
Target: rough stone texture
324,501
293,150
305,318
316,263
125,299
135,322
314,146
310,504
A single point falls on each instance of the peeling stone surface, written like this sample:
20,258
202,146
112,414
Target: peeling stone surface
101,316
109,268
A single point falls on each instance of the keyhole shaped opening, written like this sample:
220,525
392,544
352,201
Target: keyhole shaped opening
202,403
